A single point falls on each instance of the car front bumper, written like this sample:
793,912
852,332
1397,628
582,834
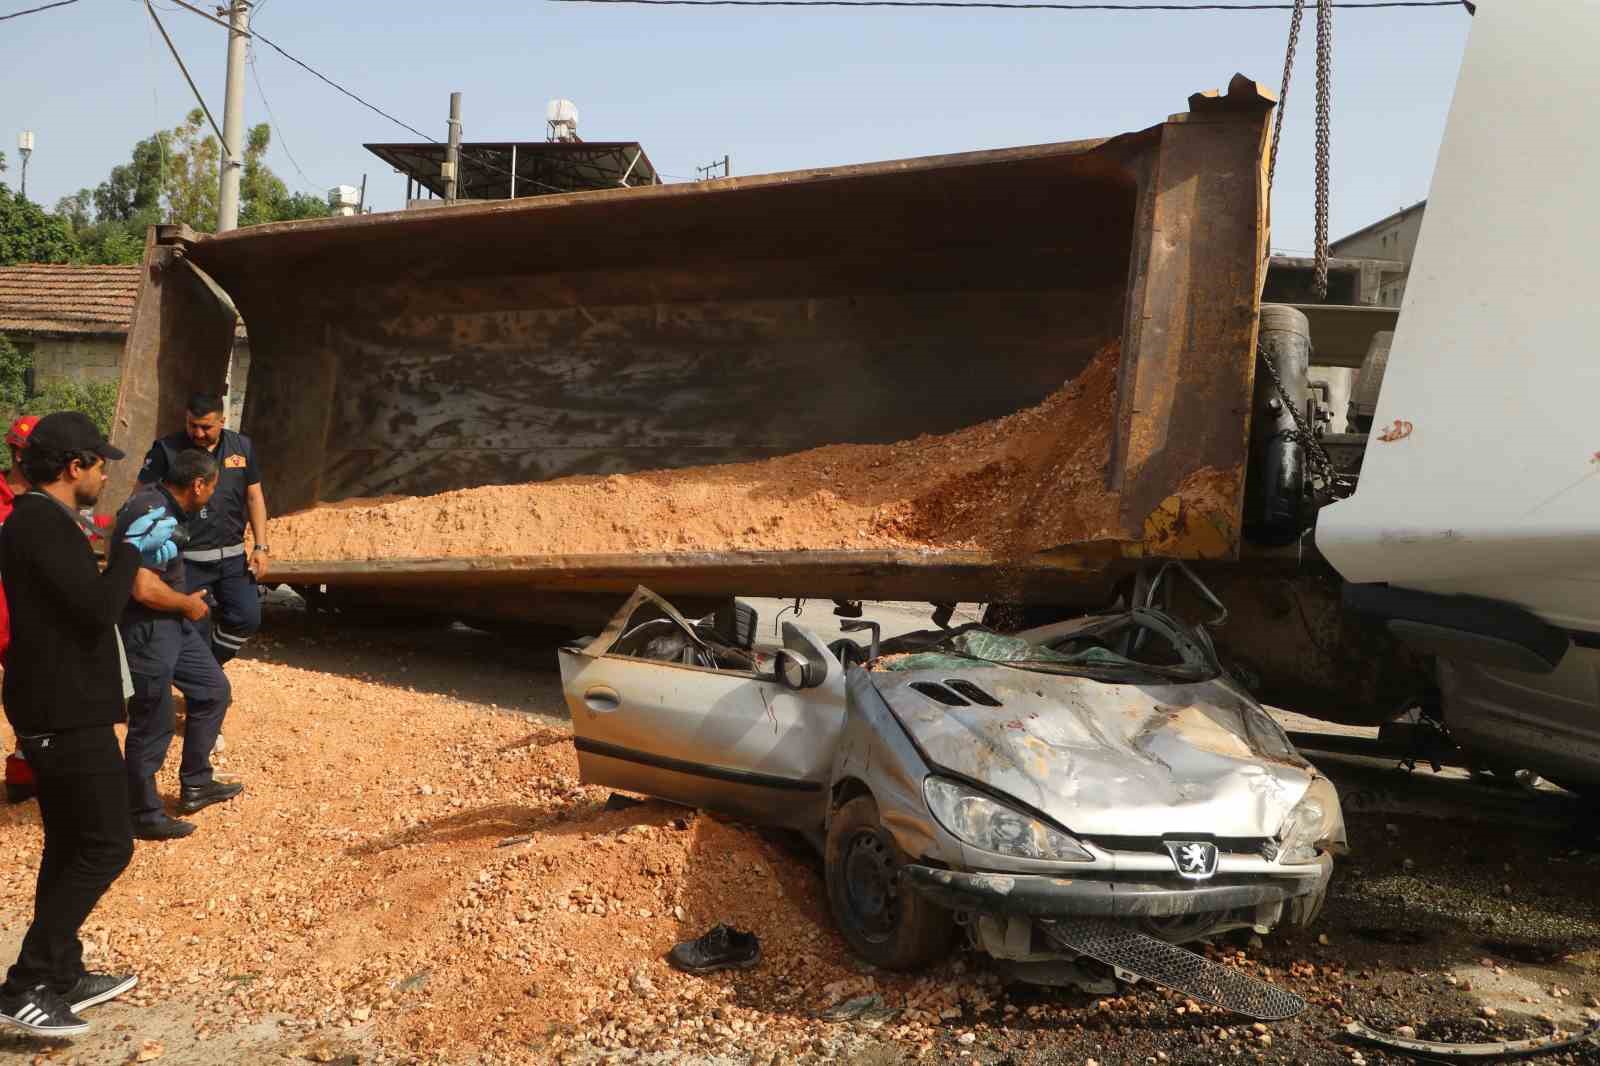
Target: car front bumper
1040,896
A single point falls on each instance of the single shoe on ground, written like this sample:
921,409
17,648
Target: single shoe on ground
202,796
162,828
41,1012
723,948
95,988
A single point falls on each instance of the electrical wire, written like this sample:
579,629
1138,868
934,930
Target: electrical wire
329,81
283,141
993,5
179,59
36,10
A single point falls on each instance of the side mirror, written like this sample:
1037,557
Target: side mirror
797,671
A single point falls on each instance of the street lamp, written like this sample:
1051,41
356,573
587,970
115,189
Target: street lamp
25,146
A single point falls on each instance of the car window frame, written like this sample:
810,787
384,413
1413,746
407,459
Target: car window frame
601,646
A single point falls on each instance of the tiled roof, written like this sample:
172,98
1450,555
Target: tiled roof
45,298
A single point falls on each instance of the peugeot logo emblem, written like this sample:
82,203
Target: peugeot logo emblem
1195,859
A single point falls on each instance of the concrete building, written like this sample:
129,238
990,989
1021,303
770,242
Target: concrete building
1352,281
72,322
1393,238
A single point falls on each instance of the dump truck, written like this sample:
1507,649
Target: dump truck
684,326
674,326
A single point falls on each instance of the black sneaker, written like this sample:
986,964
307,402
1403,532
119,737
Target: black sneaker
41,1012
162,828
723,948
96,988
202,796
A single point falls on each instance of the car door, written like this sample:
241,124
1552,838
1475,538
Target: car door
735,741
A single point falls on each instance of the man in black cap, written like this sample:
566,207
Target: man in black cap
65,683
214,559
166,647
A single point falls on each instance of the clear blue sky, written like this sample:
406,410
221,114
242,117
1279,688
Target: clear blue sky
777,88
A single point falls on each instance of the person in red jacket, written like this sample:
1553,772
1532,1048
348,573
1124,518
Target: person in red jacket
19,778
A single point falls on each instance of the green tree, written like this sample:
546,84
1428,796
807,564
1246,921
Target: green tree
14,367
133,189
97,399
29,235
77,210
172,175
191,175
263,197
111,243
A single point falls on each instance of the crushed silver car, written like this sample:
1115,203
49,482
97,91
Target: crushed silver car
1049,794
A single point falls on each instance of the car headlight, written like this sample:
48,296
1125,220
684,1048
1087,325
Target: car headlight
1315,825
987,824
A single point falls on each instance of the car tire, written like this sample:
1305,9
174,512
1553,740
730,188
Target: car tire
883,919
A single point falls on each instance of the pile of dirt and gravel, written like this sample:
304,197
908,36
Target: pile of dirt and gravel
415,874
1016,485
409,873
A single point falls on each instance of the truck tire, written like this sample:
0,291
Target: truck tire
884,920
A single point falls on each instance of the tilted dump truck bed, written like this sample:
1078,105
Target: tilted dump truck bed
726,321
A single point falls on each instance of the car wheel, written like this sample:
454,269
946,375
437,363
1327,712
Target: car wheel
885,921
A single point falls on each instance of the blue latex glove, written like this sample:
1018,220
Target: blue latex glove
152,532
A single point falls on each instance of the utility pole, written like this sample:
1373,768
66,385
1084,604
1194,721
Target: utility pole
25,147
725,164
452,152
233,117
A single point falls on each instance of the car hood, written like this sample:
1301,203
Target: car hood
1110,760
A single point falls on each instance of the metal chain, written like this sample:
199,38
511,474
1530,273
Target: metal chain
1319,282
1333,485
1283,92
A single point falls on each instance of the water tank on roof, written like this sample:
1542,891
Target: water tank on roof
561,118
344,199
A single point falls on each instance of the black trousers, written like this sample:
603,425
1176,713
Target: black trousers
88,841
164,652
236,605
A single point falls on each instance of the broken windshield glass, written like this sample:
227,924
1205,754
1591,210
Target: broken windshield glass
1130,646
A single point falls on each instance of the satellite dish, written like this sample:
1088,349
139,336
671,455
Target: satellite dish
562,112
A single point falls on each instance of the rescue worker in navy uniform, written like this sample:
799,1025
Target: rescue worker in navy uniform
161,630
215,558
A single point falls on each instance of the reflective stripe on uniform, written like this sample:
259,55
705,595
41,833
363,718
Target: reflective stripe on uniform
214,555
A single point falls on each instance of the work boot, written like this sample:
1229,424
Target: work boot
200,797
723,948
96,988
162,828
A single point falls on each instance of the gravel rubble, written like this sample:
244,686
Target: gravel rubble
414,876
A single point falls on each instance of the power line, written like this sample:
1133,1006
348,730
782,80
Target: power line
324,78
174,49
257,35
209,18
36,10
283,141
991,4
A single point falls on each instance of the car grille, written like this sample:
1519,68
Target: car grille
1264,846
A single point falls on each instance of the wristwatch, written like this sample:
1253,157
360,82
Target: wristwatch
261,548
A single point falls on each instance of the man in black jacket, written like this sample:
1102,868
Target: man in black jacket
165,648
65,683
